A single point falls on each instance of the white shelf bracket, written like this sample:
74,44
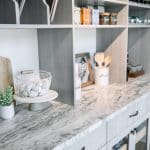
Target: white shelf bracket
22,6
17,11
48,11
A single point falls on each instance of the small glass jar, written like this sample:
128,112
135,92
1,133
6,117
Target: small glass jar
113,18
104,18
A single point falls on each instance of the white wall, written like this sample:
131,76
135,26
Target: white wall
85,41
21,46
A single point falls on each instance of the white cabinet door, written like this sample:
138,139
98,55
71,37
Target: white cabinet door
141,136
136,139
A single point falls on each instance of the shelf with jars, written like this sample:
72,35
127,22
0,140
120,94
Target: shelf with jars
100,12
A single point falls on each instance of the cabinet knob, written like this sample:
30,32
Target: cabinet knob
83,148
134,131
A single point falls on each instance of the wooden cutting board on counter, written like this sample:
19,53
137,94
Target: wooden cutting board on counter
6,77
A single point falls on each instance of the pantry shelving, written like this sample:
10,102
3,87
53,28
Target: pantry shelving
60,41
25,26
99,26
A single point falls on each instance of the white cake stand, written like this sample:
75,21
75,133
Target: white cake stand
37,103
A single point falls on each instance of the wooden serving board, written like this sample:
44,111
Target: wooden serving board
6,77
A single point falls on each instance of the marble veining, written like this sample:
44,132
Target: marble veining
49,129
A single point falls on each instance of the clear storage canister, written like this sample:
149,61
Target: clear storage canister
32,83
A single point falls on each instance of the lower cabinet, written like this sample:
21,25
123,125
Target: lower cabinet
136,139
127,129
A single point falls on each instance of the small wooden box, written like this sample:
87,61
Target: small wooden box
136,74
85,16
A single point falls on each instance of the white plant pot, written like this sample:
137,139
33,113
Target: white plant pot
7,112
101,76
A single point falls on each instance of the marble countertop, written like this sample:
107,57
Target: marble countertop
60,122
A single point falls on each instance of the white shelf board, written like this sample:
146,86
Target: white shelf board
138,5
25,26
115,2
104,2
99,26
138,26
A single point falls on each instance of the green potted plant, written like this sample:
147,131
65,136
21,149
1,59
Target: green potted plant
6,103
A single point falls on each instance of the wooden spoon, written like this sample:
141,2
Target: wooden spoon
99,58
108,60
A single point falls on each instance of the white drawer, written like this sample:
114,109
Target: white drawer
137,109
94,139
127,116
117,123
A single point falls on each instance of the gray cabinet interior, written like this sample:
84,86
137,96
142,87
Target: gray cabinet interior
55,55
135,11
34,12
7,12
112,42
139,48
63,13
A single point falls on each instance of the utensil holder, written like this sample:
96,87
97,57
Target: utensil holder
101,76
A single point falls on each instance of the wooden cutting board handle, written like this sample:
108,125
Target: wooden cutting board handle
6,77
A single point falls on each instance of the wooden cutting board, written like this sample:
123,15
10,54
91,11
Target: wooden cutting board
6,77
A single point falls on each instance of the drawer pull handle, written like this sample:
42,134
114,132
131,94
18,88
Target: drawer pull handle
83,148
134,115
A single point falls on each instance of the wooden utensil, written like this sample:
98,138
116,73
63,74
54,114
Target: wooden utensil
6,77
99,58
108,60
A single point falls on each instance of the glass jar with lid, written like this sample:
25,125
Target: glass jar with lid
105,18
113,18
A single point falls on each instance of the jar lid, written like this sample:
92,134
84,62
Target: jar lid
105,14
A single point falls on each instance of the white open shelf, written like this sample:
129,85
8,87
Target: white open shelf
99,26
138,26
115,2
23,26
